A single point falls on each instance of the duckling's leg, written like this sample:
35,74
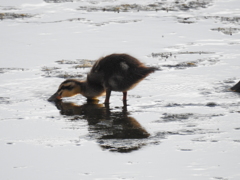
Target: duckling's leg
125,98
108,94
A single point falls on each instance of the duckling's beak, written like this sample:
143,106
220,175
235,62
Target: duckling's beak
54,97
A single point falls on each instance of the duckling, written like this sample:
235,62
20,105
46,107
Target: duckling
115,72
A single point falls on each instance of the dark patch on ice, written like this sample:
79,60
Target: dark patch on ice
9,8
164,134
170,117
183,105
184,132
9,143
83,20
173,105
134,96
238,140
64,75
63,72
57,72
186,20
67,20
115,21
227,31
79,63
5,100
167,117
224,19
178,5
166,57
185,149
67,75
49,69
189,64
182,65
211,104
4,70
202,139
6,15
220,178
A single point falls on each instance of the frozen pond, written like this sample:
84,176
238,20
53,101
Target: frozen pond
182,122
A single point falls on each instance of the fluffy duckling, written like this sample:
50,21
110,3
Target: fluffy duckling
115,72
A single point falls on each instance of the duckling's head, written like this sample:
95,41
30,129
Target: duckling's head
68,88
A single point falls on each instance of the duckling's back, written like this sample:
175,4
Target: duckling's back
118,72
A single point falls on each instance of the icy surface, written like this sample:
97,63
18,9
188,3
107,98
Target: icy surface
182,122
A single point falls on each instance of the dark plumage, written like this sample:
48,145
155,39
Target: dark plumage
115,72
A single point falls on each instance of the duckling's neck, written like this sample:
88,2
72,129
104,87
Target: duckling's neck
91,90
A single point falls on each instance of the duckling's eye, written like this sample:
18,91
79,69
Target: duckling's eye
67,87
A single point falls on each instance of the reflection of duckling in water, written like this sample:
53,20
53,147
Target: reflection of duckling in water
115,72
107,126
111,125
91,111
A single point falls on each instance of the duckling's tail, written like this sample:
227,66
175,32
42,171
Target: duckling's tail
145,71
152,69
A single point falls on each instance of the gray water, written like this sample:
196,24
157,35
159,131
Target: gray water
182,122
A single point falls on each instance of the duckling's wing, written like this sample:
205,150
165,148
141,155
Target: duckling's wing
96,75
133,77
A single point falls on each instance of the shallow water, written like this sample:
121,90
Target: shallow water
182,122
